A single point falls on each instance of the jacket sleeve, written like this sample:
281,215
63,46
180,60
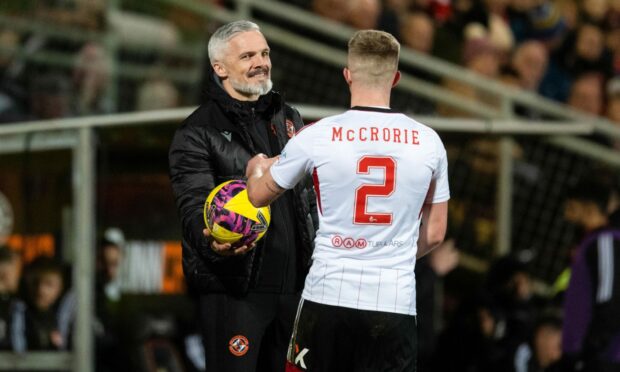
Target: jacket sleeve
308,182
192,178
577,305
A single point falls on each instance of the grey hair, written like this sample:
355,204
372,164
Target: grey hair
222,35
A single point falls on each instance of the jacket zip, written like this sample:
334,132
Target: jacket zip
280,206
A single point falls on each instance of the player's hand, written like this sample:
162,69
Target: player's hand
226,249
258,165
444,258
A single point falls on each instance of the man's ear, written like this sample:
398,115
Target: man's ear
396,79
220,70
347,75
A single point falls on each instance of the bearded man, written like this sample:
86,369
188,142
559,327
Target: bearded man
247,295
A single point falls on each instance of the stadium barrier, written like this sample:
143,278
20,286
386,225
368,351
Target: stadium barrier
77,135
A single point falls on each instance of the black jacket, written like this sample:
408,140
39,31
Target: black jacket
213,145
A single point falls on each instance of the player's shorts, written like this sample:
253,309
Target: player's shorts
335,339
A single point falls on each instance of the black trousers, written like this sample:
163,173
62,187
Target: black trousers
336,339
247,334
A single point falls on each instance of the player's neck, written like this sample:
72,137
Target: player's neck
370,98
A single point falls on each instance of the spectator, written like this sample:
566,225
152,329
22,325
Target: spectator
10,271
510,284
510,77
613,106
470,343
479,56
586,52
543,352
50,96
12,94
44,280
91,77
613,34
449,36
594,11
110,354
582,52
363,14
569,12
530,61
359,14
417,32
545,20
591,331
108,289
495,26
390,18
586,94
11,308
335,10
157,93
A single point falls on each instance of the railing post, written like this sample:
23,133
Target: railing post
84,249
504,186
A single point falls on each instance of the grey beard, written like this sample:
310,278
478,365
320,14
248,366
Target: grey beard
252,89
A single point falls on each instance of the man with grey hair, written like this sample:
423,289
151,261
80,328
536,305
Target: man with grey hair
247,295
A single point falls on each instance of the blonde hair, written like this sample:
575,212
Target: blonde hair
373,57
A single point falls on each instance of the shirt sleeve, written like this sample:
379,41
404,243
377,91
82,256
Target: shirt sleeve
294,162
441,190
577,305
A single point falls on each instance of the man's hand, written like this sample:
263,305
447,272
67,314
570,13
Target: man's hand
258,165
262,189
226,249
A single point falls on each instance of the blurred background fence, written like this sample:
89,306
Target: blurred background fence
81,159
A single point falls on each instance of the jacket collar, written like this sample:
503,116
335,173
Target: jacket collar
239,111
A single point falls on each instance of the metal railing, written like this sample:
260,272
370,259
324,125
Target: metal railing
77,134
319,51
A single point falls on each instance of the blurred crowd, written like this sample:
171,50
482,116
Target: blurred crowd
36,301
508,320
49,75
565,50
38,310
501,324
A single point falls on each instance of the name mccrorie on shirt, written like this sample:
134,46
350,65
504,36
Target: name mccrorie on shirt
376,134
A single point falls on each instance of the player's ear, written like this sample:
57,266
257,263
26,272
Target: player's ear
347,75
396,79
220,70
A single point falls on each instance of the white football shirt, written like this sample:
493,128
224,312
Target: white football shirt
372,169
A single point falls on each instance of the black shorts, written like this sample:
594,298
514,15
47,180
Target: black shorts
335,339
248,334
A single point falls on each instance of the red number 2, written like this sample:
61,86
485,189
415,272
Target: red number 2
361,216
